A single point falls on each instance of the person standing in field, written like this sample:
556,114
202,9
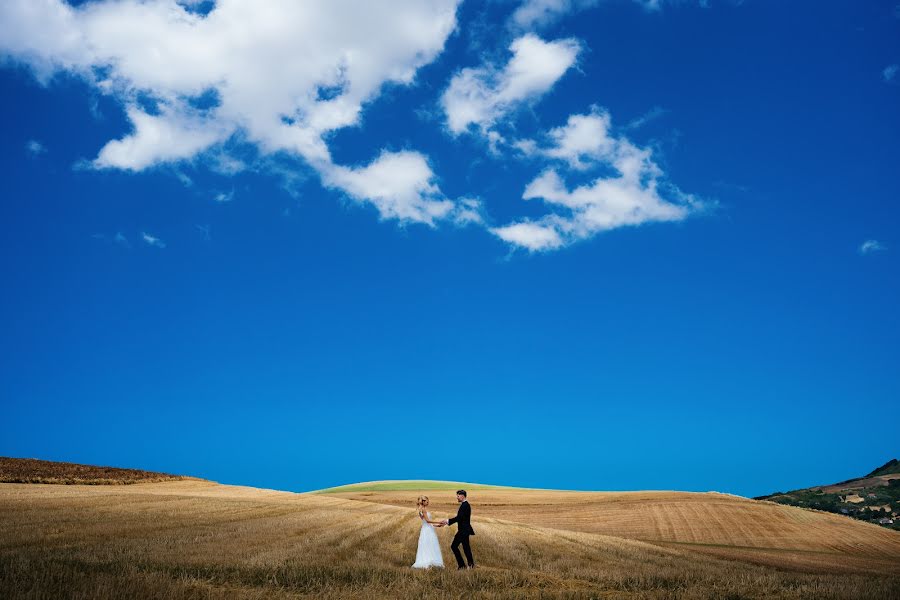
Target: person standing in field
463,521
428,554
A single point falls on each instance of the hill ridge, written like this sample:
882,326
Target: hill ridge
35,470
409,484
890,467
441,485
874,498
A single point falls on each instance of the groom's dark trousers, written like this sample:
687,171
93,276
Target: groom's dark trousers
462,538
463,520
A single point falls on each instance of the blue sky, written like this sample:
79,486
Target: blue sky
593,245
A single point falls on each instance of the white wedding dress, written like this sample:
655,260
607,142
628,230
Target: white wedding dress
429,552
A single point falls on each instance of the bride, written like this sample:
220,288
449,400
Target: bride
429,552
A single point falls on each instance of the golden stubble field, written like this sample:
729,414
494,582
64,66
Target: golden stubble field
196,539
711,523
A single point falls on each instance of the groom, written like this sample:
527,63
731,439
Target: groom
464,530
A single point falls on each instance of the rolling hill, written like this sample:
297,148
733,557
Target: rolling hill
409,485
32,470
874,498
709,523
891,467
199,539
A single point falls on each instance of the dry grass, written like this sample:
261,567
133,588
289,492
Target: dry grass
31,470
193,539
711,523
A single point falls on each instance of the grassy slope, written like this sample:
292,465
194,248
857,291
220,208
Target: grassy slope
408,485
194,539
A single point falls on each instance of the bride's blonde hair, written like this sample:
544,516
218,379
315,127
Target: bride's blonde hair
422,501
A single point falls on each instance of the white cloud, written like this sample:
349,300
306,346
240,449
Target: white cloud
539,13
542,13
468,211
890,73
198,78
584,139
166,137
530,235
634,194
481,96
400,185
34,148
282,74
224,197
151,240
587,140
183,177
221,162
870,246
651,115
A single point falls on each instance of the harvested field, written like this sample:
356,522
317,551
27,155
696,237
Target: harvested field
712,523
193,539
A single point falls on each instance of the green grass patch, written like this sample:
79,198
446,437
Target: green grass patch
411,485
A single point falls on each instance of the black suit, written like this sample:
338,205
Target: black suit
463,521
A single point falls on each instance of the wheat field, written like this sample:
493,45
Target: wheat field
196,539
712,523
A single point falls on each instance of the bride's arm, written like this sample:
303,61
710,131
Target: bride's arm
424,516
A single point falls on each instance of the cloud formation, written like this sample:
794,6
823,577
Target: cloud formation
635,193
283,74
483,95
541,13
224,197
152,240
197,79
34,148
651,115
870,246
399,184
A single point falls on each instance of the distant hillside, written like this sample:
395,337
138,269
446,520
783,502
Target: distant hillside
31,470
891,467
874,498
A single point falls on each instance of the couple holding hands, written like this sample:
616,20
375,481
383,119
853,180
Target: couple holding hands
428,553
